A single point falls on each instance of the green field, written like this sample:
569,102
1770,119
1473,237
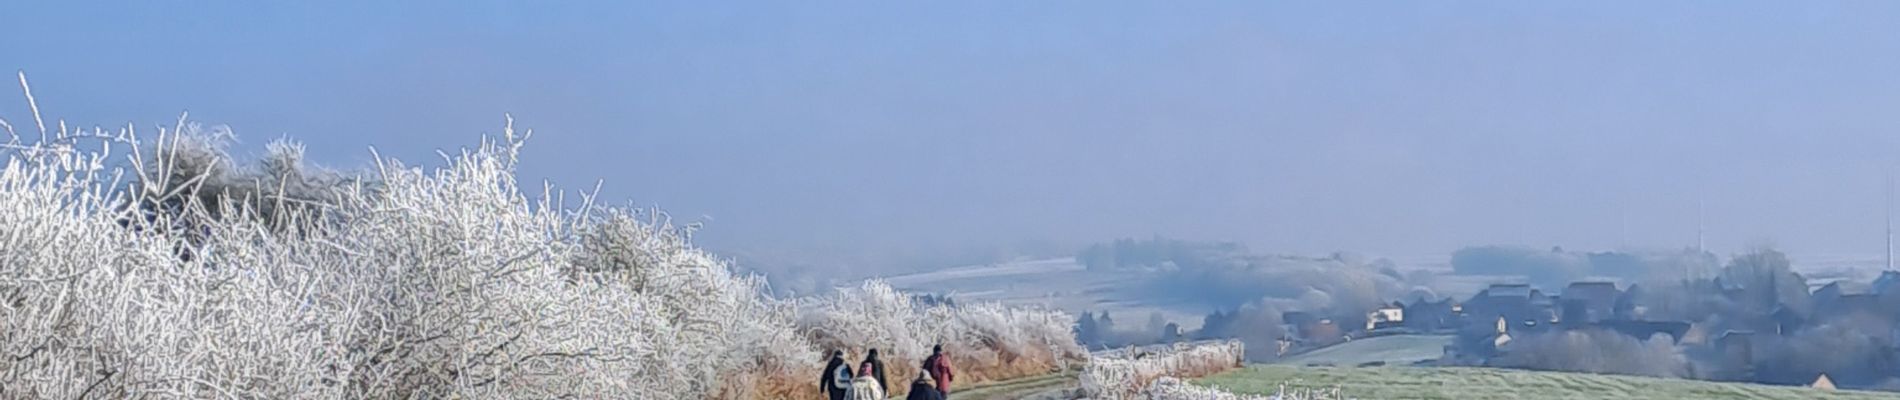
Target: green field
1393,350
1502,384
1038,387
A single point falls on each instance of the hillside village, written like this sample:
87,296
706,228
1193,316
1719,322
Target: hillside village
1750,328
1748,317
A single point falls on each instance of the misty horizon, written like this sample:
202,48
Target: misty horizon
1396,130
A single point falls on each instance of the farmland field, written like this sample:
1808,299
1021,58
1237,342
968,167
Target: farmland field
1502,384
1393,350
1060,283
1051,386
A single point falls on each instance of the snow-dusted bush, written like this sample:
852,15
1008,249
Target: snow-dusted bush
1170,388
986,341
1160,373
171,273
1129,374
168,269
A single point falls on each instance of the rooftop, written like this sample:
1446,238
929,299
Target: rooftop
1510,290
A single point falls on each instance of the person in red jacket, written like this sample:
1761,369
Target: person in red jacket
938,364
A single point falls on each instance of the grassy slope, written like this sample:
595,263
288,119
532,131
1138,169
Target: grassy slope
1484,383
1394,350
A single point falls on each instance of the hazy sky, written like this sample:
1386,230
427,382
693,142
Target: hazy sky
1302,128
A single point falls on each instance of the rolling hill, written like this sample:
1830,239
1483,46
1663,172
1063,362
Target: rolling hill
1393,350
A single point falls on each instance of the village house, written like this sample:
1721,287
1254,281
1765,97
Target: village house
1839,300
1520,305
1629,304
1476,344
1491,319
1822,382
1787,320
1738,351
1721,348
1588,302
1888,282
1311,329
1501,313
1837,289
1387,317
1676,331
1431,316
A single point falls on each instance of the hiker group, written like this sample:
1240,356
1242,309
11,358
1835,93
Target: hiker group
867,383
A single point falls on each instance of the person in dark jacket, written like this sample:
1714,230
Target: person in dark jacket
836,378
877,369
923,388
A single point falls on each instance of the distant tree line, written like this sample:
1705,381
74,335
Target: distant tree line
1556,267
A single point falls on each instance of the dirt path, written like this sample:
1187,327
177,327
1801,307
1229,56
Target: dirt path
1049,386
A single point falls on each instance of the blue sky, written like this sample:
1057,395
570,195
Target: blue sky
1295,127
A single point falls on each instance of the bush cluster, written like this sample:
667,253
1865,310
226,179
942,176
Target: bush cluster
176,272
1129,374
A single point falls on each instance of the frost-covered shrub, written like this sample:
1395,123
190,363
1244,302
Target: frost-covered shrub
194,169
172,275
1129,374
1170,388
171,270
986,341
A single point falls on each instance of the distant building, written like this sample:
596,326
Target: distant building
1837,289
1738,351
1787,320
1586,302
1822,382
1491,319
1839,300
1888,282
1644,330
1431,316
1629,304
1522,306
1389,316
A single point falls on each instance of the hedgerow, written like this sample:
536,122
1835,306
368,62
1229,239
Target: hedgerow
1132,374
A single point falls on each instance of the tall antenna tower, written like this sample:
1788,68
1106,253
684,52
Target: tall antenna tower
1889,220
1694,272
